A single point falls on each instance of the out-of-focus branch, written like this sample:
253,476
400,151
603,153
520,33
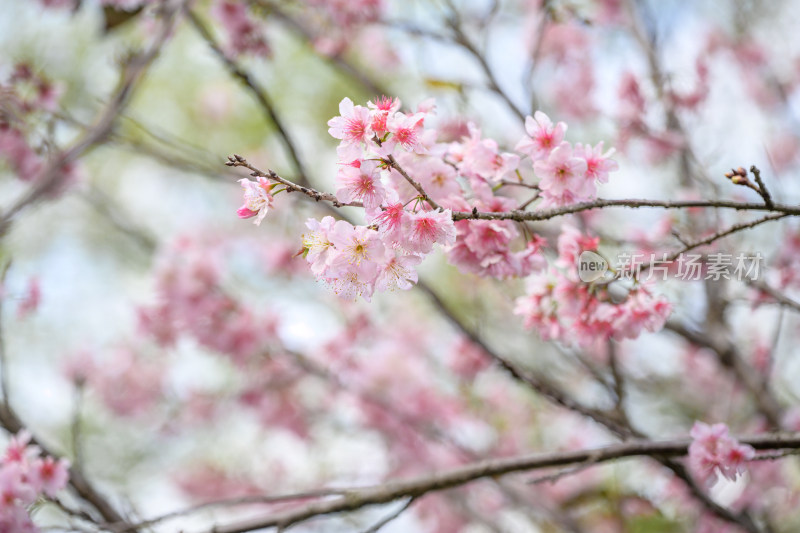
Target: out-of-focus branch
232,502
726,232
776,295
258,92
337,60
104,205
732,359
463,40
3,361
417,487
525,378
133,71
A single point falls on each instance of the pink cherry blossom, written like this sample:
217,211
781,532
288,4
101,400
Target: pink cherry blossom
543,137
353,125
244,35
482,158
423,229
563,179
24,477
31,299
361,184
14,148
598,164
390,223
381,110
714,451
48,475
397,271
317,244
257,199
405,130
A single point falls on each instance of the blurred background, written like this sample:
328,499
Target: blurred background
179,354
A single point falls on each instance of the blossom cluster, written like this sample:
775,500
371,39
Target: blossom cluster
25,476
128,383
410,177
713,451
567,174
562,307
244,36
192,300
25,94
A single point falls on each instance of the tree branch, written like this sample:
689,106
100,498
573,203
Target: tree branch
417,487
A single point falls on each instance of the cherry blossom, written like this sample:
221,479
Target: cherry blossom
714,451
24,476
362,184
563,177
257,199
423,229
244,35
543,136
354,124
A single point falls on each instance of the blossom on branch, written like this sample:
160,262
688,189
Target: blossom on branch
543,136
714,451
257,199
24,477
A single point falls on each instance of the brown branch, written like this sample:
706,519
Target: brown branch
520,216
726,232
392,162
776,295
239,161
780,210
762,188
3,360
232,502
376,527
528,379
420,486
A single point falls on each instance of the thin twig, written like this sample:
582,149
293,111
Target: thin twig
762,189
77,448
392,162
3,361
461,38
375,528
239,161
231,502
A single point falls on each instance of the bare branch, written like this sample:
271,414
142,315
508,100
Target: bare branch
239,161
417,487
